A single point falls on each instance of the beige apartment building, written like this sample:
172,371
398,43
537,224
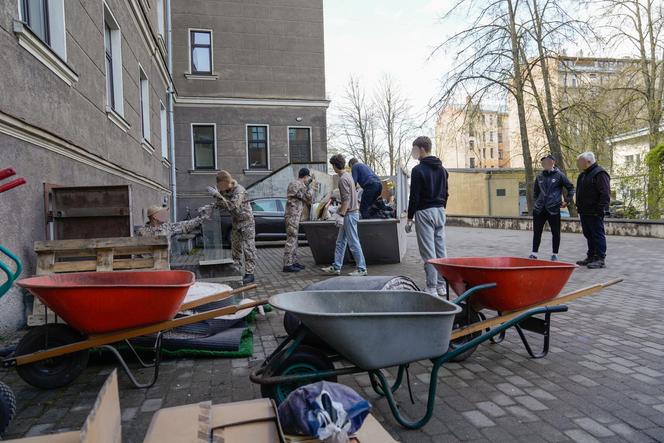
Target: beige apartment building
473,137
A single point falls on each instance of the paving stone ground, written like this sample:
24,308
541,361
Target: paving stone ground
602,381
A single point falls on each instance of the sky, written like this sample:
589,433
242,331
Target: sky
371,38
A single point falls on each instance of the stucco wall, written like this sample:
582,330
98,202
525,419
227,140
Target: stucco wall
475,192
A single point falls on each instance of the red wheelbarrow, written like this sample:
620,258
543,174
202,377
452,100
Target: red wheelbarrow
505,285
103,308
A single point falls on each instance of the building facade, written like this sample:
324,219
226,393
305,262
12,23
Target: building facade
82,102
473,137
250,82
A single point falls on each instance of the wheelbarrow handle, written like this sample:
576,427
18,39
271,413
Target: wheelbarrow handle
472,291
7,172
11,276
12,184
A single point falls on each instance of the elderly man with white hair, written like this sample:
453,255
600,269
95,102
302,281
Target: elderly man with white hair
593,195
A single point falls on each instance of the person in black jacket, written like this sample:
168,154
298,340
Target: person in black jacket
426,205
593,195
549,186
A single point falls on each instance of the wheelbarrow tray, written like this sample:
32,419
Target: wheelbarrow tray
520,282
101,302
375,329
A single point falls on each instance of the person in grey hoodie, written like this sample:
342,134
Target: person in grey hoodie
426,206
549,186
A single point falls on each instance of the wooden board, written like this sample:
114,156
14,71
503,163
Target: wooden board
95,255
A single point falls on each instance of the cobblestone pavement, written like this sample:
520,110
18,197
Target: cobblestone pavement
602,381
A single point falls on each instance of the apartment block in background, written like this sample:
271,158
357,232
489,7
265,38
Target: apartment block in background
250,81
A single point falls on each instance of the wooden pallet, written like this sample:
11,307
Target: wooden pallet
95,255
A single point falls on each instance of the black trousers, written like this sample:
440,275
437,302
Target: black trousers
539,220
593,231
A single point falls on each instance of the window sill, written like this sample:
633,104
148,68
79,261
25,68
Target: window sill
203,171
145,144
117,119
201,76
257,171
42,52
165,162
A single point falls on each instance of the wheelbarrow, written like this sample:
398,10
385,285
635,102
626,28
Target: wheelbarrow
374,330
503,284
103,308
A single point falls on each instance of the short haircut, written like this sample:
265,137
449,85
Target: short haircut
588,156
352,161
224,176
304,172
338,161
423,142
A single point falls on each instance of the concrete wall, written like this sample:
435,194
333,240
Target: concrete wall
232,144
631,228
475,192
53,132
260,48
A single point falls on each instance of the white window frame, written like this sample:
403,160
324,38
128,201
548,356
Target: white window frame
193,158
189,70
163,123
160,18
246,145
311,141
116,52
144,97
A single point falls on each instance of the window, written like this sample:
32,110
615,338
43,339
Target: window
299,143
491,153
112,46
501,193
483,152
45,20
201,52
35,15
204,146
472,162
160,17
471,143
491,136
163,120
629,159
268,205
500,137
500,154
257,147
144,89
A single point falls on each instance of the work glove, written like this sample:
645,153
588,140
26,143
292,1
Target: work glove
206,211
214,192
409,226
338,221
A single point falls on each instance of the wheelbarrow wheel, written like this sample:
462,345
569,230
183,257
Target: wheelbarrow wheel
463,319
53,372
7,406
305,360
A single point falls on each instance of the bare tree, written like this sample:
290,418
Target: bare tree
640,25
394,120
488,63
358,126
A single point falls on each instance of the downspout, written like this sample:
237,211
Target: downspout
488,191
171,119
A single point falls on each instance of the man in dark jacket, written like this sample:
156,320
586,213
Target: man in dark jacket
428,198
369,182
593,195
549,186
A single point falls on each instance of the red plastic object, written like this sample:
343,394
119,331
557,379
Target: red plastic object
12,184
99,302
520,282
7,172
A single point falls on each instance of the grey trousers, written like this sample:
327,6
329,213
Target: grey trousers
430,228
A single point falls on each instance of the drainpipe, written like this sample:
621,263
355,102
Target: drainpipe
171,119
488,190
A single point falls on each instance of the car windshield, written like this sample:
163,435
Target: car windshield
269,205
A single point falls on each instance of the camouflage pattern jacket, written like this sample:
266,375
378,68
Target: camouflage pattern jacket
236,203
169,229
298,195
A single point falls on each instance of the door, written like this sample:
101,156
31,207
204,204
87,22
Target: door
299,144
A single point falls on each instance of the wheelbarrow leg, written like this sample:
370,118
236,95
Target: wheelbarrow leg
378,388
155,363
538,326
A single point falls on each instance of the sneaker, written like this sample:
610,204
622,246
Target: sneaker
331,270
554,257
441,291
297,265
291,268
532,257
358,273
248,278
597,263
585,261
431,291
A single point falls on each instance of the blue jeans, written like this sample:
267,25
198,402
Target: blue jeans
348,236
593,231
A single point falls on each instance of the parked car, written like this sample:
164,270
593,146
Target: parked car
269,216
